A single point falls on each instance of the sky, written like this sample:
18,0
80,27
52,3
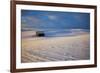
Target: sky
54,20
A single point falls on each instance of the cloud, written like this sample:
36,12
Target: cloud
52,17
29,20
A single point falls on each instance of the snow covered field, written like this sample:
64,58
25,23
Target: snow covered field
64,48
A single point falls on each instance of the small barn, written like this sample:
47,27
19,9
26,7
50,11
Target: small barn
40,33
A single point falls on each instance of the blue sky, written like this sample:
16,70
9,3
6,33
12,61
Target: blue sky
54,20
